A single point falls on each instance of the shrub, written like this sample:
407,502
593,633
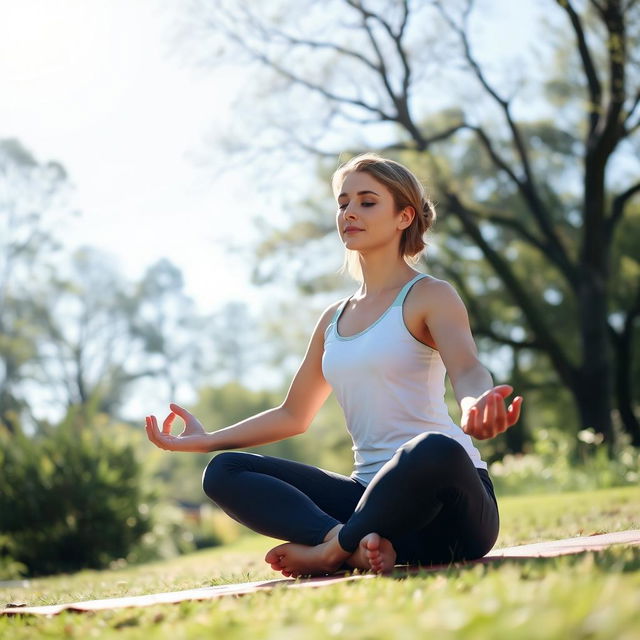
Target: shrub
559,461
69,499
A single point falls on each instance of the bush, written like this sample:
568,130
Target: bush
559,462
69,499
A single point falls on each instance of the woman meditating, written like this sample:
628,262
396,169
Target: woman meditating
419,492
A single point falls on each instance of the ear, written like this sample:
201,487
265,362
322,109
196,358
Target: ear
406,217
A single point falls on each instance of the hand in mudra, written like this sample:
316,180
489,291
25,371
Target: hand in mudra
488,416
192,437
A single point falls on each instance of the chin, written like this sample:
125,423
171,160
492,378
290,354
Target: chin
353,243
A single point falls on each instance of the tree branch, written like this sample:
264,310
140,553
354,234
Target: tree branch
504,104
519,228
481,325
618,205
593,82
401,99
332,46
319,88
497,160
600,8
544,336
629,129
526,186
613,129
554,247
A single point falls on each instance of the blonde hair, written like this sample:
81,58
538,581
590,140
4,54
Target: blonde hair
406,190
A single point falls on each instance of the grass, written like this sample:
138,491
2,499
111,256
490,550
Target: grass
587,596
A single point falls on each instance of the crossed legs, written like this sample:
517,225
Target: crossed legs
428,504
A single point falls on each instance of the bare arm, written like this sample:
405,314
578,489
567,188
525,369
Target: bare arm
484,414
307,393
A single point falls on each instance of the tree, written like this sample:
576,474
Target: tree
374,73
74,332
88,352
101,334
173,333
32,204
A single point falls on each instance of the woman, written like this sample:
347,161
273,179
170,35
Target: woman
420,492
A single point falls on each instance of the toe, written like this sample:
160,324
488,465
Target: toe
274,555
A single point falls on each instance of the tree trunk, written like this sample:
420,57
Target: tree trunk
623,389
595,373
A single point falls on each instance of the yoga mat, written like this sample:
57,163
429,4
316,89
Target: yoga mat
549,549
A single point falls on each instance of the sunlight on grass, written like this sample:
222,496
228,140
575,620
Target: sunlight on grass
585,596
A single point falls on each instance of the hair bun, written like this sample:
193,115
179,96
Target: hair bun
428,211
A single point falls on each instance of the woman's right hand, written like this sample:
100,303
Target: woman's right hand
192,438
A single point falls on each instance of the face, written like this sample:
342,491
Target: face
367,217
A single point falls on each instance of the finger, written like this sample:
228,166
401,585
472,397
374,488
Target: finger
476,427
500,421
513,413
152,433
489,411
156,432
471,420
149,425
168,421
503,389
176,408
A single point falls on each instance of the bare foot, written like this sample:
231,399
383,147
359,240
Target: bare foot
299,559
375,553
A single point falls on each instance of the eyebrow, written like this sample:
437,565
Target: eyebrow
360,193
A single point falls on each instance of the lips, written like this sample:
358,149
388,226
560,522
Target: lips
351,229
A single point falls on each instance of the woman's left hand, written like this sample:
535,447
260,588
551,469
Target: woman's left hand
488,415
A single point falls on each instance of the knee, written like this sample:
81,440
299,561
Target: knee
215,477
434,450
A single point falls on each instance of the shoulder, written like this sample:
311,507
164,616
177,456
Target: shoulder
327,316
432,291
434,300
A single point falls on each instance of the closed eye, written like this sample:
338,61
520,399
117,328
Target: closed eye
344,205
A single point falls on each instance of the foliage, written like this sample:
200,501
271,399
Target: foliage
531,155
557,462
588,596
326,444
73,330
70,497
32,208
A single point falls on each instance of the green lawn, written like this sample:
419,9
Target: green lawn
588,596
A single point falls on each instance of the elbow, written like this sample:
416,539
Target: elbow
470,370
293,424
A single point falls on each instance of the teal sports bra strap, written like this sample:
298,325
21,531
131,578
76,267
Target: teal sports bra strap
339,310
399,301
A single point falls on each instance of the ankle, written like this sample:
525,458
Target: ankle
333,533
335,554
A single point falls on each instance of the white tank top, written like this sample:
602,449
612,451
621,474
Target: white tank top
390,387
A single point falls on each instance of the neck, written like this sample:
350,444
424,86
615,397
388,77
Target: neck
381,273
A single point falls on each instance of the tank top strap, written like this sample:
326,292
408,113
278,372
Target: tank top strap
398,302
338,311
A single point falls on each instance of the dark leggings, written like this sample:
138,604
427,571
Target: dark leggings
429,500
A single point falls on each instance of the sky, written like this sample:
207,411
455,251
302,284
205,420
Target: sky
101,87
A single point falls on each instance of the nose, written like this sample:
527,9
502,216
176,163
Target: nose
349,213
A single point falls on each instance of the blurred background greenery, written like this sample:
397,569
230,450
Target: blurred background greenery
532,158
